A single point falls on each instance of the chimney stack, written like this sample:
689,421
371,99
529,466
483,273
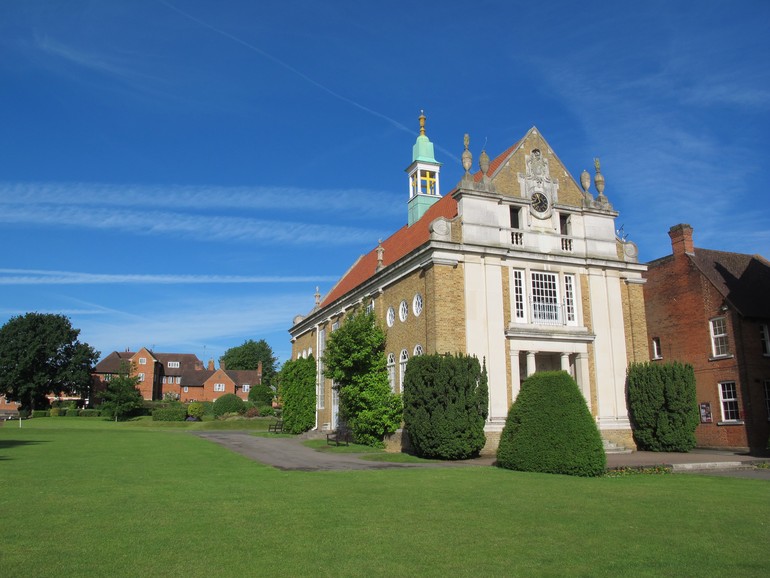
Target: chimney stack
681,239
211,364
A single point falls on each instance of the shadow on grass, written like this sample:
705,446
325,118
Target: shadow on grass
10,444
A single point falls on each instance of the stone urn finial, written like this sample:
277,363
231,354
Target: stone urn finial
484,162
585,180
598,178
467,156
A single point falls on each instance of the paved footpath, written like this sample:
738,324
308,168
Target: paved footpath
291,454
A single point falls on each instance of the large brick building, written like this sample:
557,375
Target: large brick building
519,265
712,309
181,374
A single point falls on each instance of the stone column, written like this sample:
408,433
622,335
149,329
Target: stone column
531,367
565,362
515,375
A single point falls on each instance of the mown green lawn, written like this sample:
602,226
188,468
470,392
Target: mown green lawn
106,500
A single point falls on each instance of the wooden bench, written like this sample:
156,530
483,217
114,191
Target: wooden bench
339,436
276,426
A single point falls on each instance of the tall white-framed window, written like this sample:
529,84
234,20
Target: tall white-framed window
173,364
140,376
519,310
545,297
764,335
570,311
767,398
719,343
392,371
219,387
402,360
370,307
417,350
656,351
335,326
185,389
728,399
179,379
320,379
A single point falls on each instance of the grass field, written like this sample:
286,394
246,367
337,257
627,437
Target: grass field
84,497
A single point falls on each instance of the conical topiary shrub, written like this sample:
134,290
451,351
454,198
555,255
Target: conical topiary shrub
549,429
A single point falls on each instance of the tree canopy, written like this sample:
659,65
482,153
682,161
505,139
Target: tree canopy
355,360
40,354
248,356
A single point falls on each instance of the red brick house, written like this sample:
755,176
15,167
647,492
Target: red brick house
157,372
712,309
209,384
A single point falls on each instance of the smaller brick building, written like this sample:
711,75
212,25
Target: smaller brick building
711,309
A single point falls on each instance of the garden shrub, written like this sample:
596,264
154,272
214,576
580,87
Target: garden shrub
176,412
266,410
73,412
54,412
663,406
550,429
90,413
261,394
252,412
228,403
39,413
208,408
297,390
195,409
445,406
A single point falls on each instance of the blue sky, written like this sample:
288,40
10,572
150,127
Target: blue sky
182,174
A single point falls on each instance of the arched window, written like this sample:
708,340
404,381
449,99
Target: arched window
417,305
391,317
403,311
417,350
402,367
392,371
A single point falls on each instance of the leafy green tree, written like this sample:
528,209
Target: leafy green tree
355,360
445,406
121,396
40,354
550,429
297,393
248,356
663,406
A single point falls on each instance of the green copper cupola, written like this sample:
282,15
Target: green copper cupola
423,176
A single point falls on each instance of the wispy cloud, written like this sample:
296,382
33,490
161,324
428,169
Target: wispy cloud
190,212
45,277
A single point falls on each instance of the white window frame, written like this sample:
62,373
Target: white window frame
140,376
246,387
402,361
728,401
417,350
392,371
142,361
403,311
417,305
179,379
656,350
519,297
185,389
370,307
720,345
390,318
219,387
545,297
764,335
570,300
173,364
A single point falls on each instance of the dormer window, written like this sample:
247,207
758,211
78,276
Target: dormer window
173,364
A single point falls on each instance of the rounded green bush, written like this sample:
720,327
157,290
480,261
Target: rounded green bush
550,429
55,412
261,394
195,409
229,403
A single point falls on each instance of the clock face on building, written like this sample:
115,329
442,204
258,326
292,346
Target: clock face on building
540,202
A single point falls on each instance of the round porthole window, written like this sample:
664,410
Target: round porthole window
391,318
417,305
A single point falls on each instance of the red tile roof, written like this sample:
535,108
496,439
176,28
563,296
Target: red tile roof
744,280
497,162
401,243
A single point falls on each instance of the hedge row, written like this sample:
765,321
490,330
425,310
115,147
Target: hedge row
66,412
